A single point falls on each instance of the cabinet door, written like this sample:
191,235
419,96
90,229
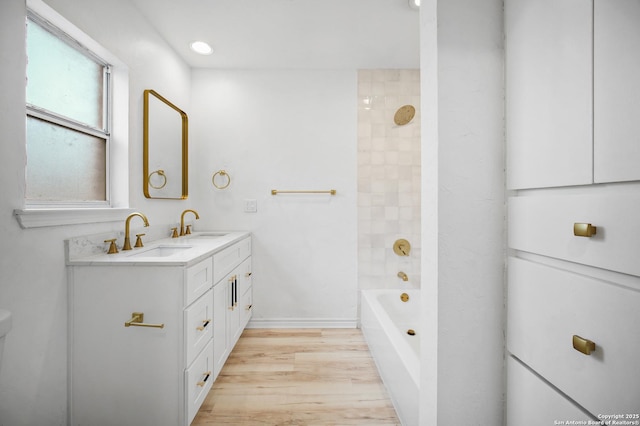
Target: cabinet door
234,311
548,92
617,90
220,305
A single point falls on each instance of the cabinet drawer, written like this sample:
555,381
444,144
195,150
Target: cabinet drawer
532,402
544,225
199,280
198,381
244,277
198,320
226,260
548,306
246,306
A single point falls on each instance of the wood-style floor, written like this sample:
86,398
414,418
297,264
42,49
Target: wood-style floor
298,377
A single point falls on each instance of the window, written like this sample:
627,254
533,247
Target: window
77,112
67,119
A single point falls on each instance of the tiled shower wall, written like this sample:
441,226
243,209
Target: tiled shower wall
388,178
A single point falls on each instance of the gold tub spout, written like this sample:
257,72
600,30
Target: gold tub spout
182,232
127,241
403,276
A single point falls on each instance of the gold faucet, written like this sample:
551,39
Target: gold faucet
182,232
127,242
403,276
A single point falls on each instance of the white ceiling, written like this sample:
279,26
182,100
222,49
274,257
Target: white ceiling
317,34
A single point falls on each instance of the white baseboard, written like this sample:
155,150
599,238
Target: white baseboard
303,323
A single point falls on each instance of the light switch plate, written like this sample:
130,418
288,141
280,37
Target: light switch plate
250,206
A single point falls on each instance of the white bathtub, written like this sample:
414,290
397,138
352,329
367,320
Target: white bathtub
384,320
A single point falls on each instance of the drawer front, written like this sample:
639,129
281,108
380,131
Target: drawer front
545,225
199,280
198,322
548,306
198,381
532,402
244,277
246,306
226,260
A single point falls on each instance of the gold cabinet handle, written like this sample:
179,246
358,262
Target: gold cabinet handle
583,345
248,308
584,230
202,382
137,320
204,325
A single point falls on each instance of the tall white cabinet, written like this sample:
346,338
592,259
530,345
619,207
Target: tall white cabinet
573,171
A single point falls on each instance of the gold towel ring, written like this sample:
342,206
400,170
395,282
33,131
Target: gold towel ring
222,173
159,172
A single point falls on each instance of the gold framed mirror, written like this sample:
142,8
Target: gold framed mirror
165,148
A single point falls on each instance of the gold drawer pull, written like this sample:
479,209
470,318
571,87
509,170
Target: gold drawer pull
585,346
206,377
584,230
205,323
137,319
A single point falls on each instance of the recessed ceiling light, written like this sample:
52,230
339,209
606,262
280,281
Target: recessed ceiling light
415,4
201,47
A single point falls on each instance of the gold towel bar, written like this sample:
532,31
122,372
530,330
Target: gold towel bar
137,319
276,192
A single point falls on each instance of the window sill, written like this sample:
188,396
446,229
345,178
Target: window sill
38,218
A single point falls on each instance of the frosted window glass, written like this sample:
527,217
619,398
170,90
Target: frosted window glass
62,79
63,164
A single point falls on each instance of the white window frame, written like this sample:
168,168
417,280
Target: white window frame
36,214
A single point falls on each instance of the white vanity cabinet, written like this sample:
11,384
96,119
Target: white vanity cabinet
158,374
573,92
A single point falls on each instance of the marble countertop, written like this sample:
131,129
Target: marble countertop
186,250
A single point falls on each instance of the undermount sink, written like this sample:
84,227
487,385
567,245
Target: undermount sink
208,235
161,251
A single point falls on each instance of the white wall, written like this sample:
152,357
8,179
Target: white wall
287,130
463,215
33,376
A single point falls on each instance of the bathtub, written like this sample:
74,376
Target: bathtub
385,319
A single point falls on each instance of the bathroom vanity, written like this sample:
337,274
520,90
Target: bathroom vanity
151,328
